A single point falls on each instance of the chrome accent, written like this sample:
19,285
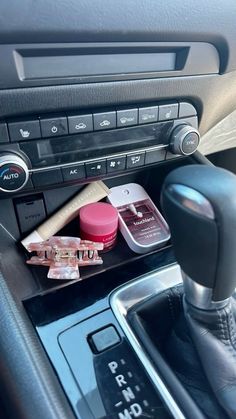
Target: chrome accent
134,292
186,132
200,296
14,159
8,232
192,200
160,147
178,136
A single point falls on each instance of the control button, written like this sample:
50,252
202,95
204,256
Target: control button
54,127
80,123
127,117
116,164
30,213
4,138
104,120
154,156
135,160
12,177
168,112
105,338
190,143
184,140
24,130
47,177
186,109
148,115
73,172
14,173
96,168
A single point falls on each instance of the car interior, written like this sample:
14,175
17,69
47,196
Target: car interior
118,209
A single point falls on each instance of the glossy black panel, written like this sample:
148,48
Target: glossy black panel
44,309
113,382
93,145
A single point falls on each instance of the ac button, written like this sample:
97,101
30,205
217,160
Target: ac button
73,172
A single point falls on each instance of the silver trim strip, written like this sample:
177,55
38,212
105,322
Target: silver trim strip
200,296
127,296
160,147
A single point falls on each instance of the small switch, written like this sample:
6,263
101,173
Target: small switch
54,127
30,214
135,160
127,117
96,168
80,123
167,112
4,138
47,177
104,120
24,130
186,109
154,156
73,172
116,164
148,115
105,338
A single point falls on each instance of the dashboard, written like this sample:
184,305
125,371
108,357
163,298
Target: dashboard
119,91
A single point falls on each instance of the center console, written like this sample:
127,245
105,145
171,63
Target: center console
45,159
115,92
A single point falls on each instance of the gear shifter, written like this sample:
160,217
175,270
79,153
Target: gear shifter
200,206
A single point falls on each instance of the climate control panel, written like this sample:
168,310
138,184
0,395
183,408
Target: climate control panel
39,153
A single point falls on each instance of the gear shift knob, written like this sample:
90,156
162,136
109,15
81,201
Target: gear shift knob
199,203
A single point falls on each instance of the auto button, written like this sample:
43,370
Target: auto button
14,173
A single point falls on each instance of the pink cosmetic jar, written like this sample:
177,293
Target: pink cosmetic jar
99,223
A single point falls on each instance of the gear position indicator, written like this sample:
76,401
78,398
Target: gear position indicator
124,388
114,384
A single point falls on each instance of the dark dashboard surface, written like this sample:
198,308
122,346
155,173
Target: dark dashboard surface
112,21
63,22
193,45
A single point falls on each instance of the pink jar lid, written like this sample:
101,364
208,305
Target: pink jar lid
98,218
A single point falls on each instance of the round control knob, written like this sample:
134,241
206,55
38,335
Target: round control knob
14,173
184,140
